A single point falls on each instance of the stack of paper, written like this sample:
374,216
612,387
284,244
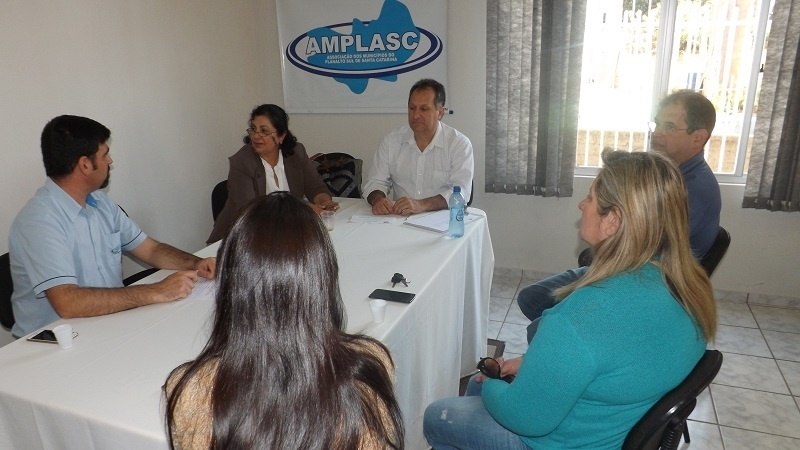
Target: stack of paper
438,221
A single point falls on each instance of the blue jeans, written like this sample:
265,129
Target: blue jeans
463,423
536,298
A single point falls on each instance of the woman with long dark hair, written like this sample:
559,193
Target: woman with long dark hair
279,371
270,160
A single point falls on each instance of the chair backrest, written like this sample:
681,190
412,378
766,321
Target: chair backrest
711,259
138,276
663,424
340,172
6,288
219,195
585,257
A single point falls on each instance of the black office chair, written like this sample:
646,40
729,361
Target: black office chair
6,288
663,425
711,259
585,258
138,276
219,195
340,172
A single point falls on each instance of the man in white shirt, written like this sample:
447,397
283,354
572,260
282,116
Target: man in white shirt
422,161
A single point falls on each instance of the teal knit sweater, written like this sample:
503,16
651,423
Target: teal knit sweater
599,360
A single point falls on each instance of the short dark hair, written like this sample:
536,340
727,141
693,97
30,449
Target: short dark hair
280,120
700,112
439,96
66,139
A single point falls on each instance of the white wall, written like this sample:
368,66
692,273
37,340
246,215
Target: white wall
173,80
176,80
541,234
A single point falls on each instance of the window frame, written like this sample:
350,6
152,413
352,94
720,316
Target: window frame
661,83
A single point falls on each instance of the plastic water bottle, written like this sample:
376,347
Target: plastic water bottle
457,206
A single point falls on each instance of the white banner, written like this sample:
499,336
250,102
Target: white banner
359,56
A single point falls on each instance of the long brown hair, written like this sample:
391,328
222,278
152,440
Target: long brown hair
288,376
646,192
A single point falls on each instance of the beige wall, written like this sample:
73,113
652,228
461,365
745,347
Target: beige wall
541,234
175,81
172,80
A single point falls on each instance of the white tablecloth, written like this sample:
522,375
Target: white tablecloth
105,392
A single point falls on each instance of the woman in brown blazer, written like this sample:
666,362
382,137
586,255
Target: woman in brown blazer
271,160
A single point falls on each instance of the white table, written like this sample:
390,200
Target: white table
105,392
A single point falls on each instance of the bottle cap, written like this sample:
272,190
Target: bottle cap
456,189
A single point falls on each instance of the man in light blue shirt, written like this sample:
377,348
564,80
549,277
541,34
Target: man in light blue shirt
66,243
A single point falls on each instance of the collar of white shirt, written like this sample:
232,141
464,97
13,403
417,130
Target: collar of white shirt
437,141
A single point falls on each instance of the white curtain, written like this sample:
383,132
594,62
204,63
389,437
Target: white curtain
533,74
773,181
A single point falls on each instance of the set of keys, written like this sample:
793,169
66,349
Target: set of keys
399,278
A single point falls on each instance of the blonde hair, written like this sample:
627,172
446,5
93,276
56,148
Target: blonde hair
646,192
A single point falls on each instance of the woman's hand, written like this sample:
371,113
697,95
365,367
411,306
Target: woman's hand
206,267
329,205
507,367
317,209
510,367
324,202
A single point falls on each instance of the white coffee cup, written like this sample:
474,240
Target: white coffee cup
378,308
63,334
328,218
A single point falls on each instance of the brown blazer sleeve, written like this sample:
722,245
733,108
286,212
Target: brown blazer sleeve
245,182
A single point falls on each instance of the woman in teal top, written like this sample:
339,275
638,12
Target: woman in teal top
621,337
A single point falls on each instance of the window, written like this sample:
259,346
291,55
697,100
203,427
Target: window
636,51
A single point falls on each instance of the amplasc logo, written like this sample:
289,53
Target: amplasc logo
352,53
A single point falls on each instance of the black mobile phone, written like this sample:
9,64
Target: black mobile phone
393,296
44,336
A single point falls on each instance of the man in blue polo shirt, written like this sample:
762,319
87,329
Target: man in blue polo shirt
683,124
66,243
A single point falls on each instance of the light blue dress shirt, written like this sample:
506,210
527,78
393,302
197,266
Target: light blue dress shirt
55,241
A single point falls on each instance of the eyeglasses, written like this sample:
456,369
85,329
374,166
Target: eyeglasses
491,368
666,128
263,132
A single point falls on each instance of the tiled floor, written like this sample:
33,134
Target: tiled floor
754,402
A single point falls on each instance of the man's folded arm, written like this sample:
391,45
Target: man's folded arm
70,300
164,256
